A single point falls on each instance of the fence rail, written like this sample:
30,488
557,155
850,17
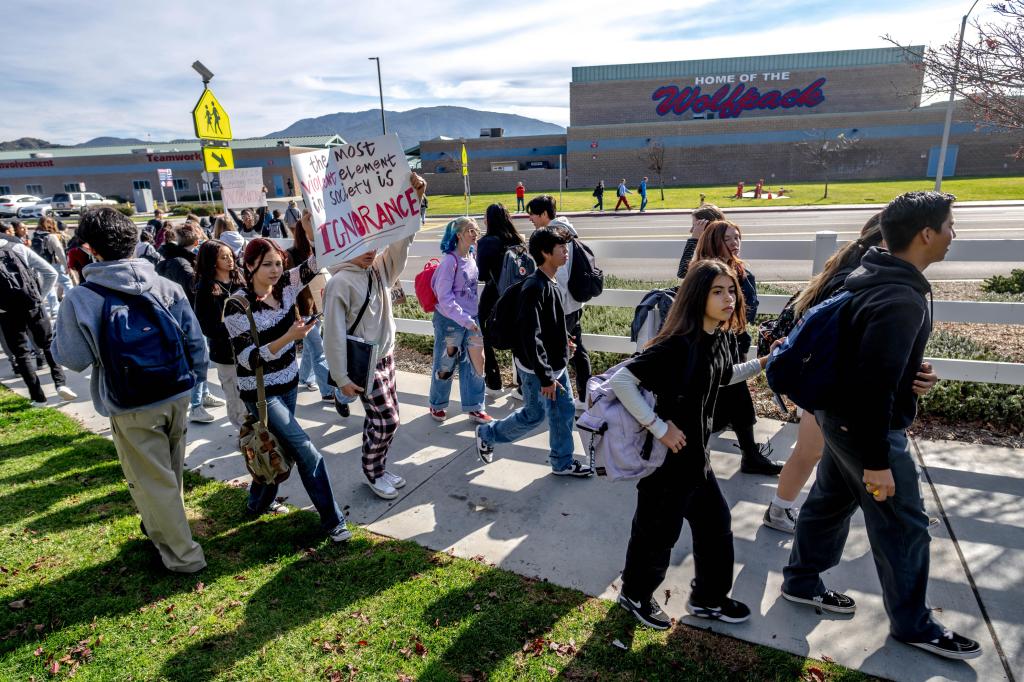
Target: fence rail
817,251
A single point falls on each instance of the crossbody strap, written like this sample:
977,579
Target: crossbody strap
261,391
366,302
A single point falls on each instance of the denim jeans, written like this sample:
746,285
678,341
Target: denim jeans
561,413
201,389
448,332
643,202
309,462
897,530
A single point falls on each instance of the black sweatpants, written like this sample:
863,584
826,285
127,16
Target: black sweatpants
664,500
21,331
580,360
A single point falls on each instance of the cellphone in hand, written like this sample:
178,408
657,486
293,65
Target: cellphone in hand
314,318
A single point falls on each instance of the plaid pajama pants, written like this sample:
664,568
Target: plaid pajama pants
381,423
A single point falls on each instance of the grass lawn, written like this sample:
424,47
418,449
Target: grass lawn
801,194
80,594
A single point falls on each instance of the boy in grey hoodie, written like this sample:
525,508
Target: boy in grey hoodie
150,440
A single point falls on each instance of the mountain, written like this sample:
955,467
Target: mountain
25,143
419,124
36,143
111,142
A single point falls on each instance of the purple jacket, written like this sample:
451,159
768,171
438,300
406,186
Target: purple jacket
455,283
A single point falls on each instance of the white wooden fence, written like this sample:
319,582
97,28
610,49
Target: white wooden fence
817,251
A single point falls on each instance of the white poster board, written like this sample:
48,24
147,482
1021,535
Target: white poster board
360,197
242,188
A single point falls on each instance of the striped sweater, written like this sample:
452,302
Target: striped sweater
280,371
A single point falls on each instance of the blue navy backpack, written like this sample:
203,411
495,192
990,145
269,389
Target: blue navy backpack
142,349
807,367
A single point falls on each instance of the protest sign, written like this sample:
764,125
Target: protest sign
360,197
242,188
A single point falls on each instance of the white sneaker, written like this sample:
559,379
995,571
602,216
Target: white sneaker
66,393
200,415
382,488
580,405
517,394
210,400
494,392
311,386
394,479
781,519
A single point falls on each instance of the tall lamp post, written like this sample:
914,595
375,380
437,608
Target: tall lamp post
380,88
949,109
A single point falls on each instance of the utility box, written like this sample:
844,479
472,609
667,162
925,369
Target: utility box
143,200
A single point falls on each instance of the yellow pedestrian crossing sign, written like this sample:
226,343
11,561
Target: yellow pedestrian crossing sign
218,159
210,119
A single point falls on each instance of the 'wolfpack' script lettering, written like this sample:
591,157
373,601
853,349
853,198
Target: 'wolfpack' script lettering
731,102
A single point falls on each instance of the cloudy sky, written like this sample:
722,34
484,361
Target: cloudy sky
74,70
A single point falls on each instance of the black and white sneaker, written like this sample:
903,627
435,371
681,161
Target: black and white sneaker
729,611
836,602
950,645
341,533
649,614
484,450
577,470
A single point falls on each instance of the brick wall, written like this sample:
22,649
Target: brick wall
486,182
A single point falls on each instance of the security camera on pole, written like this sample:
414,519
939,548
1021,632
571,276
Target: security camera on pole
212,126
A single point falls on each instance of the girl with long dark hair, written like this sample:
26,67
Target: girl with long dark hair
721,240
684,366
490,256
270,293
216,278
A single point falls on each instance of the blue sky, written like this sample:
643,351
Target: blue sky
82,70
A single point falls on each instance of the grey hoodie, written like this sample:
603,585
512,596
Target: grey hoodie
44,271
569,304
77,339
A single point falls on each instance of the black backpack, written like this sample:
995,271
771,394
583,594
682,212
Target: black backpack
516,265
586,280
41,245
19,288
500,329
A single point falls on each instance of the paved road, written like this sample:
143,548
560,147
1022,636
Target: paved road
971,223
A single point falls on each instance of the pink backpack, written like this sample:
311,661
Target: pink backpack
424,284
626,449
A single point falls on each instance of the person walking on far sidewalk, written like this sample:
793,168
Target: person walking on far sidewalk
642,191
599,195
520,198
541,352
621,191
867,463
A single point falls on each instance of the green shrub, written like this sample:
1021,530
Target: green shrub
1014,284
126,209
197,209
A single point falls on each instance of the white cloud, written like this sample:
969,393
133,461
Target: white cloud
122,68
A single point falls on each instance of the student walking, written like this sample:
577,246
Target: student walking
866,462
721,240
621,191
270,297
598,194
217,277
490,259
148,425
684,366
457,332
360,291
48,243
25,280
642,191
541,351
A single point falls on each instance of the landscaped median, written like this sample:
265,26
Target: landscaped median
82,594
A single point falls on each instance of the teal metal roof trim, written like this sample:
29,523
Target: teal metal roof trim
169,147
781,62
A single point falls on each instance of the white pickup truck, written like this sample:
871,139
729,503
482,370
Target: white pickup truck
66,203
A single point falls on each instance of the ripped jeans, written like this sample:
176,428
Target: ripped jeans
449,333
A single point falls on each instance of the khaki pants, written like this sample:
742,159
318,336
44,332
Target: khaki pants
228,375
151,447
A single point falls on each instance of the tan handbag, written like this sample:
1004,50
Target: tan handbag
264,457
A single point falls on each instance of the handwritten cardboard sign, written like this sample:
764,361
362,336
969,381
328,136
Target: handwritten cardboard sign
242,188
359,195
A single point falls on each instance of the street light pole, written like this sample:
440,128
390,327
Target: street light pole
380,89
949,107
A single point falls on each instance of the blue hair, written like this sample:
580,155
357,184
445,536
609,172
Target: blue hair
450,239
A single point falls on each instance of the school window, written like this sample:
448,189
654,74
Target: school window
180,183
34,189
140,184
71,187
5,189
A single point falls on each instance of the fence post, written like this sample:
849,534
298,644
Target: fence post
824,246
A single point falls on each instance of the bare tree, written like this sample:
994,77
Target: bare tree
653,156
826,151
990,71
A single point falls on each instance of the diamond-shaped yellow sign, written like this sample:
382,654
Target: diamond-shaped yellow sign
210,119
218,159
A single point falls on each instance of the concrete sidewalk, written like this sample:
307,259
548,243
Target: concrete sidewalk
513,514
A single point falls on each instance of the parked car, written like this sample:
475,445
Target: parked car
66,203
37,210
11,203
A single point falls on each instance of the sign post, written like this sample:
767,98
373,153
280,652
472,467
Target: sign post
163,177
213,126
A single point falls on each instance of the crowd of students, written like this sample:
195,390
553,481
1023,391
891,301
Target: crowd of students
241,308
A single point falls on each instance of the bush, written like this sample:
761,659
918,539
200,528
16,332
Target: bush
197,209
998,284
126,209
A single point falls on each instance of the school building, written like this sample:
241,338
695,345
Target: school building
719,121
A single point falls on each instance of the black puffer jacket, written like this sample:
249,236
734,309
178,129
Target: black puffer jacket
178,266
209,307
